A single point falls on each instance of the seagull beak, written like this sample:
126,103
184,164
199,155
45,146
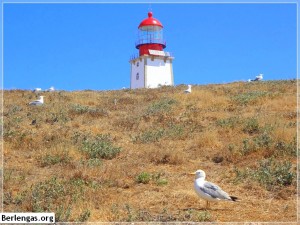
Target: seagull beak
192,173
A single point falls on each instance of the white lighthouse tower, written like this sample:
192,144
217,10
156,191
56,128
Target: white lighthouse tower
153,67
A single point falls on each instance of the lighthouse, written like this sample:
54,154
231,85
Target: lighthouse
152,67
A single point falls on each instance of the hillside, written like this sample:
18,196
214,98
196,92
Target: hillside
125,155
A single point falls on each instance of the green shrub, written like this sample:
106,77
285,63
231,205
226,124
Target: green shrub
263,140
204,216
143,177
248,97
12,109
283,148
45,194
164,105
199,216
61,116
49,160
80,109
241,175
149,136
246,147
251,126
55,195
175,131
270,173
62,214
94,162
273,173
157,177
230,122
159,180
100,147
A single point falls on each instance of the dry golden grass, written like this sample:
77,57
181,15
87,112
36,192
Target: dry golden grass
235,132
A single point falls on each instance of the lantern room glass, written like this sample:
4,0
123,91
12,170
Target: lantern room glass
150,35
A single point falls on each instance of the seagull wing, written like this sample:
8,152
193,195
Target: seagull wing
37,102
214,191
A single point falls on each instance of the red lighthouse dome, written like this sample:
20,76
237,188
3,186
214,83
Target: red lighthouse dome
150,21
150,35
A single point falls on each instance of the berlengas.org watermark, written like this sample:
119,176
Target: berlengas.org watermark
27,218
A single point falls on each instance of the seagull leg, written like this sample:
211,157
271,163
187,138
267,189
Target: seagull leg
207,205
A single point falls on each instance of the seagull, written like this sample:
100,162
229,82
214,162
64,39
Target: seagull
209,191
257,78
38,102
51,89
37,90
189,90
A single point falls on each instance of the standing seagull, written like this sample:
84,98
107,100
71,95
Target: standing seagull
257,78
189,90
50,89
37,90
40,101
209,191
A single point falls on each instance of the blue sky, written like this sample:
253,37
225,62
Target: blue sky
88,46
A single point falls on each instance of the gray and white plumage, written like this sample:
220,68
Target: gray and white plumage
257,78
37,90
189,90
50,89
38,102
209,191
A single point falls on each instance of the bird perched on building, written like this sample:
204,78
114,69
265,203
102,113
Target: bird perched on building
189,90
209,191
38,102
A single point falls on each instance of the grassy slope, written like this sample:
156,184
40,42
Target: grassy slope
242,134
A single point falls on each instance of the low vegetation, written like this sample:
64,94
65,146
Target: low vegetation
125,155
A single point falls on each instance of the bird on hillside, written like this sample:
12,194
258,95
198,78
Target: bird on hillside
257,78
209,191
50,89
189,90
37,90
33,122
38,102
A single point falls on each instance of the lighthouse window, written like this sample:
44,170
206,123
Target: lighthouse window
137,64
137,76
